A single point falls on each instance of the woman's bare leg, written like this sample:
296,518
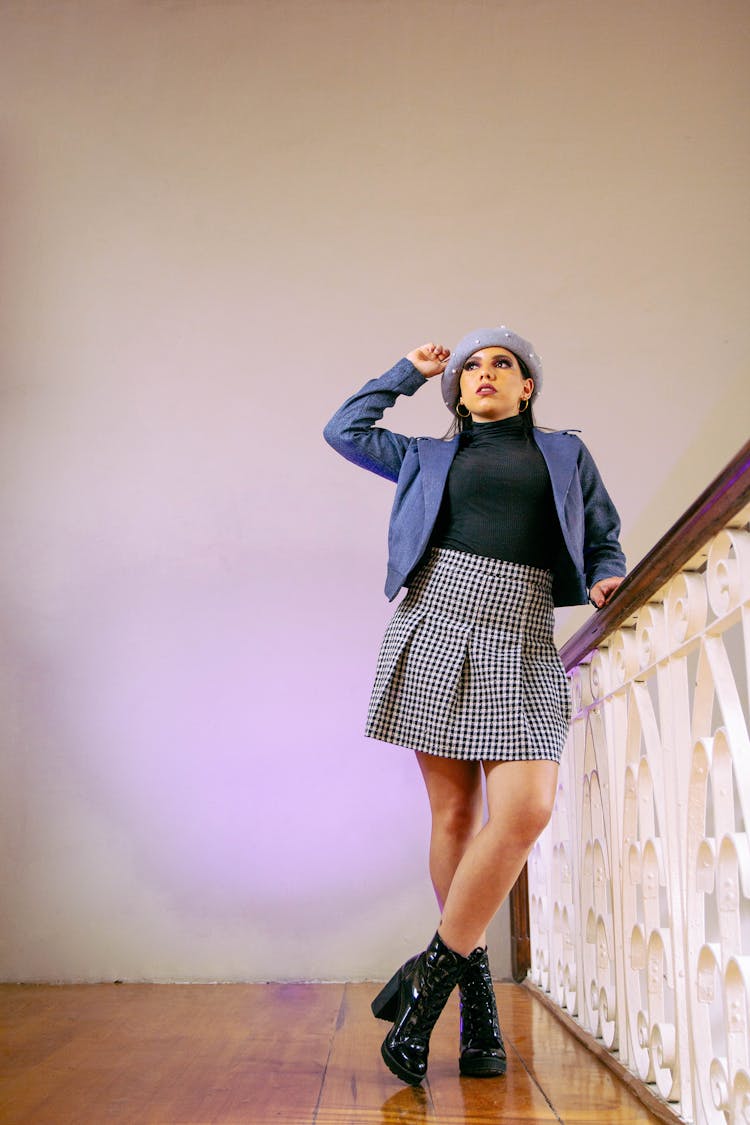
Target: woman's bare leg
454,790
520,798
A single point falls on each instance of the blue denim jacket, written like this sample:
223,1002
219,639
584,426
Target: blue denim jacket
588,518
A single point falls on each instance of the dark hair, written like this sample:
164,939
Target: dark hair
460,425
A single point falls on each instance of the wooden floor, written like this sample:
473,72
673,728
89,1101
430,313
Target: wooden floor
275,1054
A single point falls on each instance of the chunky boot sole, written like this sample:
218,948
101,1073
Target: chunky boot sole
398,1069
488,1067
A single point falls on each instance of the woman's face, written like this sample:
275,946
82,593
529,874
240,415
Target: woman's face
492,385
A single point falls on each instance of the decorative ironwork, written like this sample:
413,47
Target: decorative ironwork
639,889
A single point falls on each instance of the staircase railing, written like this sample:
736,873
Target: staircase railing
632,919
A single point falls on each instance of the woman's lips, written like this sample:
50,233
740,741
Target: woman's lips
486,390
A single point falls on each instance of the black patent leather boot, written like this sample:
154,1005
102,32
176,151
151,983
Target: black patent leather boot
482,1048
414,998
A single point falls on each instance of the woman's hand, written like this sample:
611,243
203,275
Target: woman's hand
430,359
602,591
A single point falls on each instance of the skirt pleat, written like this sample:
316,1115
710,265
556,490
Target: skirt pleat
468,667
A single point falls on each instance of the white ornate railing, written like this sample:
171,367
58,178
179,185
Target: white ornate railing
639,889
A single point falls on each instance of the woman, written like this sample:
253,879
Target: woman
489,530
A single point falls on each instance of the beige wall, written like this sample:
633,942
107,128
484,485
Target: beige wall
219,219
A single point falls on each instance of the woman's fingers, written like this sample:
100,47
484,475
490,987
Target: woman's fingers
440,352
603,590
430,359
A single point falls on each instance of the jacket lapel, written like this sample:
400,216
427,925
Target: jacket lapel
435,459
561,457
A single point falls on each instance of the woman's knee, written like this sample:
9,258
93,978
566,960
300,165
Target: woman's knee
521,828
535,816
522,798
457,820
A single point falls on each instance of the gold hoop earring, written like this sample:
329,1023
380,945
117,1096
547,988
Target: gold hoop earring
522,410
459,404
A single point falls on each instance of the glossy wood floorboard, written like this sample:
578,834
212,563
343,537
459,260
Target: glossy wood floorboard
277,1054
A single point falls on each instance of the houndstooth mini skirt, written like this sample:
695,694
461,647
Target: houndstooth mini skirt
468,667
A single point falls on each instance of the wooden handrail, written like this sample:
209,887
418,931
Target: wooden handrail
716,506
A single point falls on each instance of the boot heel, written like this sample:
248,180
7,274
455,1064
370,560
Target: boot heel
385,1004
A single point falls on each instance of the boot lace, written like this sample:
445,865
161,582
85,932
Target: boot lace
479,1022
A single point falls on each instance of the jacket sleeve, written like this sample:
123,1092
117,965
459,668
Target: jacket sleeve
352,431
603,556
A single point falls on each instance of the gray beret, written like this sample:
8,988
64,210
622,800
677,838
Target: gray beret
501,337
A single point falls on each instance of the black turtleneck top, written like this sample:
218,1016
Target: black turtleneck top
498,500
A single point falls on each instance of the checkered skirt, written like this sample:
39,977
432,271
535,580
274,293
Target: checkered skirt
468,667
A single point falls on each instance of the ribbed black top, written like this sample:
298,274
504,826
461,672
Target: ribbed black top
498,500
